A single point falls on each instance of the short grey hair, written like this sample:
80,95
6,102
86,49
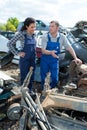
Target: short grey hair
56,23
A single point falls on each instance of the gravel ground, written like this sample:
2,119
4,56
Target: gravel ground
9,125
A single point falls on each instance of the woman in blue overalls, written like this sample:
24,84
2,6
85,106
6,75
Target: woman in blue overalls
29,59
27,52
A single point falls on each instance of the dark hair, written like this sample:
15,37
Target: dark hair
27,22
56,23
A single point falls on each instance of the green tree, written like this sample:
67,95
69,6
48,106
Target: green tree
3,27
10,27
14,21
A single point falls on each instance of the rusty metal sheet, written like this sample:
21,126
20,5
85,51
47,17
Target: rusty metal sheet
65,101
4,76
65,123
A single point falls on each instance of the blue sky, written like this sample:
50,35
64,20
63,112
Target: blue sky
67,12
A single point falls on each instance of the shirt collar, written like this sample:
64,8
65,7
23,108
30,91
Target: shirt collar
56,36
29,36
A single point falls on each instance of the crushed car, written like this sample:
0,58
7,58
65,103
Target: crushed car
80,32
7,34
5,55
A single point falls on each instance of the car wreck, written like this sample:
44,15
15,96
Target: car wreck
63,109
80,31
5,55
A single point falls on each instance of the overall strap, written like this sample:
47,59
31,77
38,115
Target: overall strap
32,38
49,39
25,36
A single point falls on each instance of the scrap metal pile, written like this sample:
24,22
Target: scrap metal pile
78,75
67,109
56,109
9,93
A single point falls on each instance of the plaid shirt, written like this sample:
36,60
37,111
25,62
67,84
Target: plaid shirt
12,43
18,37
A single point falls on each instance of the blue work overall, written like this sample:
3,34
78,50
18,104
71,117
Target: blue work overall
50,64
28,60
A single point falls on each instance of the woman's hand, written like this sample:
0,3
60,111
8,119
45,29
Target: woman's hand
22,54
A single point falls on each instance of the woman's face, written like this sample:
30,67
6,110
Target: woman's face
31,28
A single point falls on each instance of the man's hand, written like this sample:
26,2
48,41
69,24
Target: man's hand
53,54
49,52
78,61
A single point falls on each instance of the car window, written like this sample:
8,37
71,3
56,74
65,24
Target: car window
7,34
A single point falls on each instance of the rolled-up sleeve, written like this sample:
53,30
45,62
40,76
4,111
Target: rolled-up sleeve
64,42
44,41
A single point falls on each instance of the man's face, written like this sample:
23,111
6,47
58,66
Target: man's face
31,28
53,28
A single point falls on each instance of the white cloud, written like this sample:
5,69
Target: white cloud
67,12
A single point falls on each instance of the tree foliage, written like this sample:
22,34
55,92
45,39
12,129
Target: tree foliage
13,21
11,25
3,27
